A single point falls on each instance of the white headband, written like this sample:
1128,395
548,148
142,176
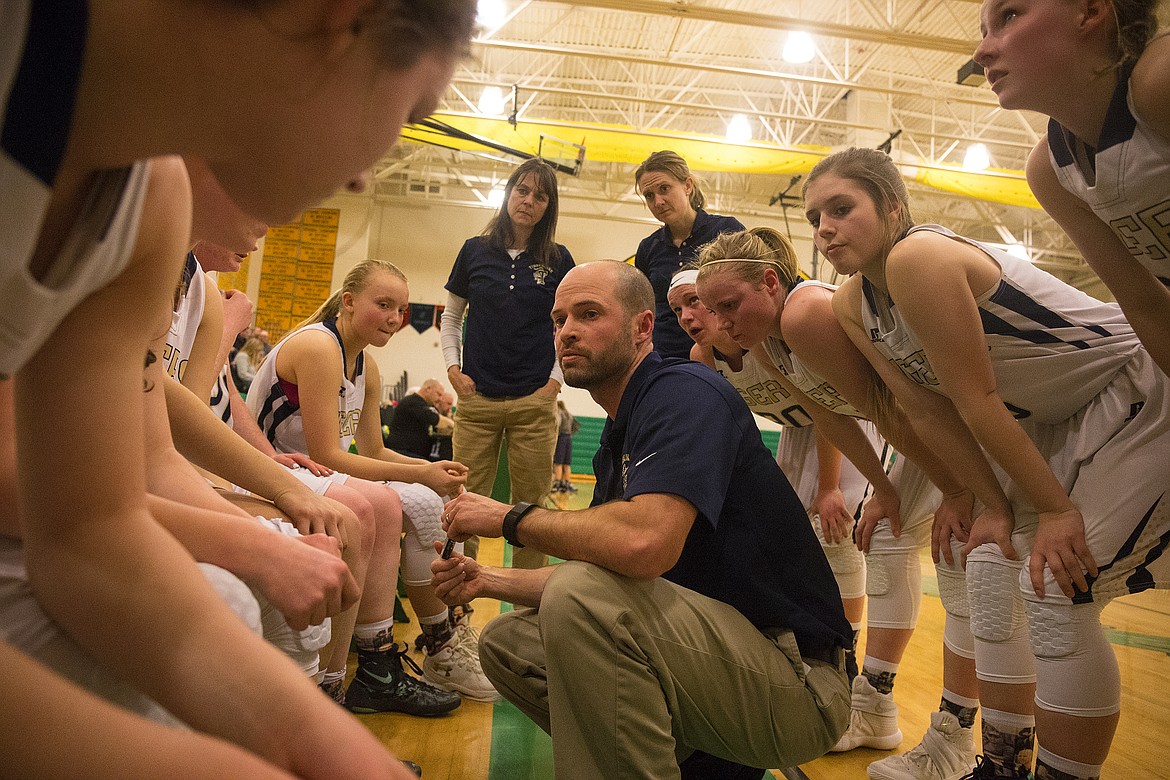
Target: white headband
761,260
686,276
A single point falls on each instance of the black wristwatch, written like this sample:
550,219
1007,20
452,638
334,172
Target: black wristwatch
513,518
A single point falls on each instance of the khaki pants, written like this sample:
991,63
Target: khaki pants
631,676
529,425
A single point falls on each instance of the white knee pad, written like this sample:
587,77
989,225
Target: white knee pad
1076,670
422,521
238,596
848,565
998,623
952,592
952,589
422,512
893,582
416,559
303,647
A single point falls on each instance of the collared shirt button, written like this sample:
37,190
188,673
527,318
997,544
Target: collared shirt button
511,287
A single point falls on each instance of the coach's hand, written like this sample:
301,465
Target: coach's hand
456,579
471,514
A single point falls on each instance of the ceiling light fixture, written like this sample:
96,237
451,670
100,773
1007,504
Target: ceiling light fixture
799,48
492,101
739,129
976,158
491,14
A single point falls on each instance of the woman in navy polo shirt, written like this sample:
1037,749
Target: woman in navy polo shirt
674,198
506,374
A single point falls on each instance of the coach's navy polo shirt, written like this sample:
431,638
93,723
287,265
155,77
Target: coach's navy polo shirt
682,429
509,349
660,260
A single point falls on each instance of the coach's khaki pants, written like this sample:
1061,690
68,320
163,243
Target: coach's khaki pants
529,424
631,676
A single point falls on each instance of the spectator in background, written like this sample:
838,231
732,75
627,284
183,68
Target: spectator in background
414,418
563,457
441,442
246,361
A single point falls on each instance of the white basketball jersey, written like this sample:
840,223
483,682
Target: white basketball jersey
185,320
807,381
763,394
220,399
1125,180
276,403
1053,348
101,239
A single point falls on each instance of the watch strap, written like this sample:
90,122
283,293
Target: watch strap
512,520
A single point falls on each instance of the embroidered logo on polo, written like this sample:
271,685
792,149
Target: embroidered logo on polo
540,273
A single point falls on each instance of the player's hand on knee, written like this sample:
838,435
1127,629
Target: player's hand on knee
992,527
307,581
881,505
1061,548
836,522
952,520
292,459
313,514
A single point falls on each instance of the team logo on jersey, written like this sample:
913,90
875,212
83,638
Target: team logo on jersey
540,273
347,422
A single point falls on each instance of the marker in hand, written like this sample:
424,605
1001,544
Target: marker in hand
448,548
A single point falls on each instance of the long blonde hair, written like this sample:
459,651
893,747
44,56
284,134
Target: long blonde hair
254,349
355,281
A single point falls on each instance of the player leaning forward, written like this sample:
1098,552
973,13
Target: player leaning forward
695,610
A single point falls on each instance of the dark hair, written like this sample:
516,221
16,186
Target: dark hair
406,30
542,244
672,164
875,173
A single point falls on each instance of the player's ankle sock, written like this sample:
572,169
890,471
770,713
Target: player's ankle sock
962,707
1008,738
374,636
436,630
880,673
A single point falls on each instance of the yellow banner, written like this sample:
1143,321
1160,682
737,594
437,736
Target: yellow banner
617,143
297,270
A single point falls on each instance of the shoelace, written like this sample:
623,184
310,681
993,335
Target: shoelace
462,643
401,653
984,770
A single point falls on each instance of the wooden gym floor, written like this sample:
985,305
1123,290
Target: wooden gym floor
496,742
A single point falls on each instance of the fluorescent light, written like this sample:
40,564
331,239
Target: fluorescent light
799,48
495,198
490,14
739,129
976,158
492,101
